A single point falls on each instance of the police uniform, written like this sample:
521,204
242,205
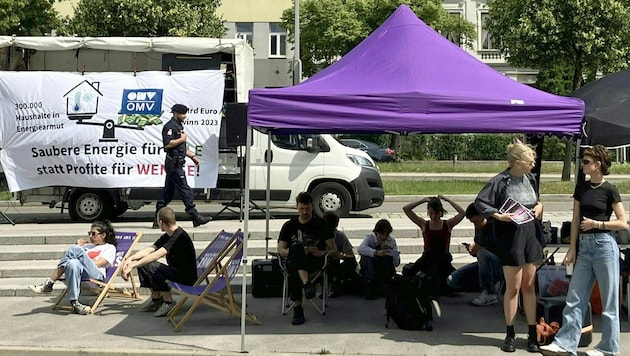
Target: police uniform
174,167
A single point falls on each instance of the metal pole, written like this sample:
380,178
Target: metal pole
297,63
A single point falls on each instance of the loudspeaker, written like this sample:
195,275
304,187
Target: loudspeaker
235,124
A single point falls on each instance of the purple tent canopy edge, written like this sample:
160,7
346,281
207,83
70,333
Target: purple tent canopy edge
406,78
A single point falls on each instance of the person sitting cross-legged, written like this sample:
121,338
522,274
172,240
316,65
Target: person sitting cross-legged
487,272
304,240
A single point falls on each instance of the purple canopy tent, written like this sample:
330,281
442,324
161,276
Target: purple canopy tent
406,78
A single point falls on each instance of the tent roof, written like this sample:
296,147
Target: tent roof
405,77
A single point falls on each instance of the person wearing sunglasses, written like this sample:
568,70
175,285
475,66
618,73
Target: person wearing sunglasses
86,259
594,251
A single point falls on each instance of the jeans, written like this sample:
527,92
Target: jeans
598,258
483,274
77,265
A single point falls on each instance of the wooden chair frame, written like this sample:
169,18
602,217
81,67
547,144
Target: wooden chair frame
213,286
106,289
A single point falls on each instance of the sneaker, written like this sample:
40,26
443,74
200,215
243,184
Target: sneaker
201,220
298,316
309,290
43,288
595,352
151,305
485,299
79,308
508,344
165,308
554,350
155,224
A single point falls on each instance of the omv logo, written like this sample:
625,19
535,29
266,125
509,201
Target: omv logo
142,101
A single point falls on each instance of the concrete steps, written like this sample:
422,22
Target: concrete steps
29,253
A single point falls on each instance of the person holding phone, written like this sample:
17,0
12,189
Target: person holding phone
485,274
379,258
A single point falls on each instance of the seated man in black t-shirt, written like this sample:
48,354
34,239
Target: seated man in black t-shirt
304,240
178,249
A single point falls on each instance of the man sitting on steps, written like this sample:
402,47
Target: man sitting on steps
487,272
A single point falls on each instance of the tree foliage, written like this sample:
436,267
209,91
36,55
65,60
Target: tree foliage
589,35
27,17
331,28
146,18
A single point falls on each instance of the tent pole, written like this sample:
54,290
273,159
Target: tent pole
248,148
268,159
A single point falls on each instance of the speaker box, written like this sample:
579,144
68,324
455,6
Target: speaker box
235,122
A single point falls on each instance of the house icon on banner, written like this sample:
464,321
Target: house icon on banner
82,101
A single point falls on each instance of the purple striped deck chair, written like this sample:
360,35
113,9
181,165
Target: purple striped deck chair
213,286
126,242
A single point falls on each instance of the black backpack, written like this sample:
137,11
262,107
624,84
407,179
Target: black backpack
407,304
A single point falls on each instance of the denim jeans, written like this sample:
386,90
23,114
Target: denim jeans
77,265
483,274
598,258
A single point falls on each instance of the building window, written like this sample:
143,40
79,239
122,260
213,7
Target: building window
245,30
455,35
486,36
277,41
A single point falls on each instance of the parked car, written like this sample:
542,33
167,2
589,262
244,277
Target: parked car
375,151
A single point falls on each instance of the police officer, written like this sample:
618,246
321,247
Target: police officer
174,140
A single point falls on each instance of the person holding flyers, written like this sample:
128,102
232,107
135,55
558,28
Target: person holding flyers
519,244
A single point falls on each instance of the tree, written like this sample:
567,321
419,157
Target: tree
331,28
588,35
146,18
24,18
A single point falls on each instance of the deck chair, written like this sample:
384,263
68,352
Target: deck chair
215,272
319,276
126,242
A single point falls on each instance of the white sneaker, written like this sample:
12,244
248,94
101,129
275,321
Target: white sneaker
485,299
44,288
79,308
595,352
553,350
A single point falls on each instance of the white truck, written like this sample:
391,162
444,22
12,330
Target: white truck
340,178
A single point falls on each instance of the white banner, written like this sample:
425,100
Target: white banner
104,130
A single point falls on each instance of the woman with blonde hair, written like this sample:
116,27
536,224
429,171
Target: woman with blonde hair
595,253
519,244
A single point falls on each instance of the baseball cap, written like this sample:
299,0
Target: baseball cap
182,109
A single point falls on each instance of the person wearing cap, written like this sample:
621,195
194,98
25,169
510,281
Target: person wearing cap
174,139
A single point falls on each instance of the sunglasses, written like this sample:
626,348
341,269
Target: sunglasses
92,233
586,161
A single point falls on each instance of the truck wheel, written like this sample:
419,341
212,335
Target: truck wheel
89,206
333,197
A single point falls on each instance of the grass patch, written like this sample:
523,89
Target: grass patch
452,187
478,167
5,195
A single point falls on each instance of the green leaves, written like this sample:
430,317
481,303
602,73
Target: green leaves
331,28
146,18
591,35
23,18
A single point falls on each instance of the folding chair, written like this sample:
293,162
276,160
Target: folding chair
126,242
318,276
213,286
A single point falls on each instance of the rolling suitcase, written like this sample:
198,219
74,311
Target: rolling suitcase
267,278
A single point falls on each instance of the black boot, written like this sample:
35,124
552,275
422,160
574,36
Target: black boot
508,344
532,342
298,315
200,220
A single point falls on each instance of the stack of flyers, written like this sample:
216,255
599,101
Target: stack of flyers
520,213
